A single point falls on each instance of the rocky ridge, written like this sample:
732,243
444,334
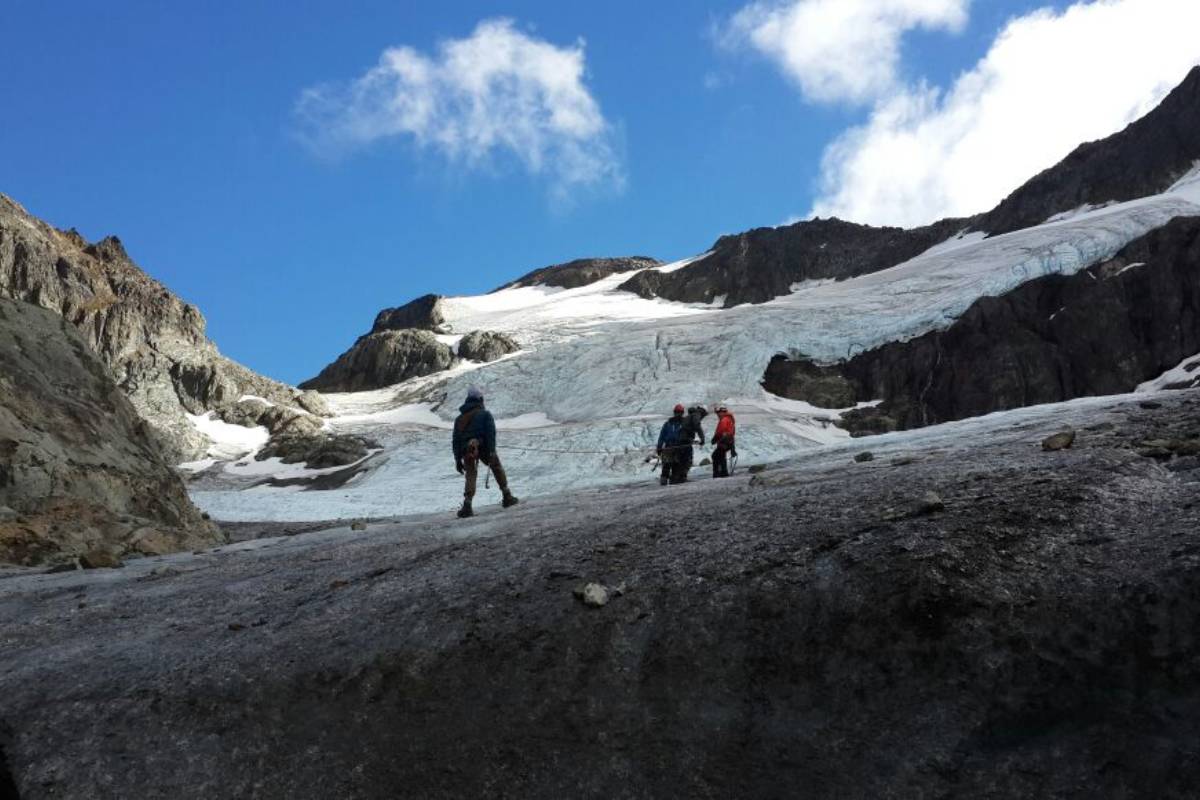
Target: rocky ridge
153,343
765,263
81,474
582,272
1105,330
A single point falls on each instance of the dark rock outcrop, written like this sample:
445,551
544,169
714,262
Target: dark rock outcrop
422,314
582,272
1028,632
82,472
486,346
153,343
759,265
1144,159
382,359
318,451
1101,331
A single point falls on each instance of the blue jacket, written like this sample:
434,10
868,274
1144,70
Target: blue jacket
474,422
672,432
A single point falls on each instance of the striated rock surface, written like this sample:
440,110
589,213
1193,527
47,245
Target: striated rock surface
382,359
1144,159
486,346
987,621
80,472
758,265
582,271
1105,330
153,343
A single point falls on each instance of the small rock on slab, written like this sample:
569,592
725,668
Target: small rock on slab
1150,405
99,559
593,595
1059,441
930,503
358,526
7,514
754,469
864,457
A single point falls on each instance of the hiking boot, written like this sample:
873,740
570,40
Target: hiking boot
465,511
509,501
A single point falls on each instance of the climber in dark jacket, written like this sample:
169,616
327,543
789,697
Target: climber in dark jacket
690,432
474,440
668,439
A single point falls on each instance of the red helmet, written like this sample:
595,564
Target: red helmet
679,408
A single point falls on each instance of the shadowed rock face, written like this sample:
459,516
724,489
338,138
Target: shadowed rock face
1102,331
382,359
764,263
78,466
423,314
816,629
582,271
1144,159
152,342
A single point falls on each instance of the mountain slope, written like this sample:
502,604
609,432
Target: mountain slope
1104,330
153,342
600,368
79,468
765,263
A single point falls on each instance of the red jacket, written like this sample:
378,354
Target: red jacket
726,428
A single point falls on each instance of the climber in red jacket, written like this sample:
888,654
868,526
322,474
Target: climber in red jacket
723,438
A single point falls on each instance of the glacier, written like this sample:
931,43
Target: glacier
599,370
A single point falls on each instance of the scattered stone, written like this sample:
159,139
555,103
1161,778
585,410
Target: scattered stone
593,595
99,559
778,479
338,584
930,503
358,526
7,514
864,457
236,626
1059,441
754,469
707,462
1150,405
903,461
1157,453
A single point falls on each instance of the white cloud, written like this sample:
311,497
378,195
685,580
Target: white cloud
1049,82
497,92
839,49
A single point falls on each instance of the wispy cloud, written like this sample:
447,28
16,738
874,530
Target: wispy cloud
838,50
498,93
1049,82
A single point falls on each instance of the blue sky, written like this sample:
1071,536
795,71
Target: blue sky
175,126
